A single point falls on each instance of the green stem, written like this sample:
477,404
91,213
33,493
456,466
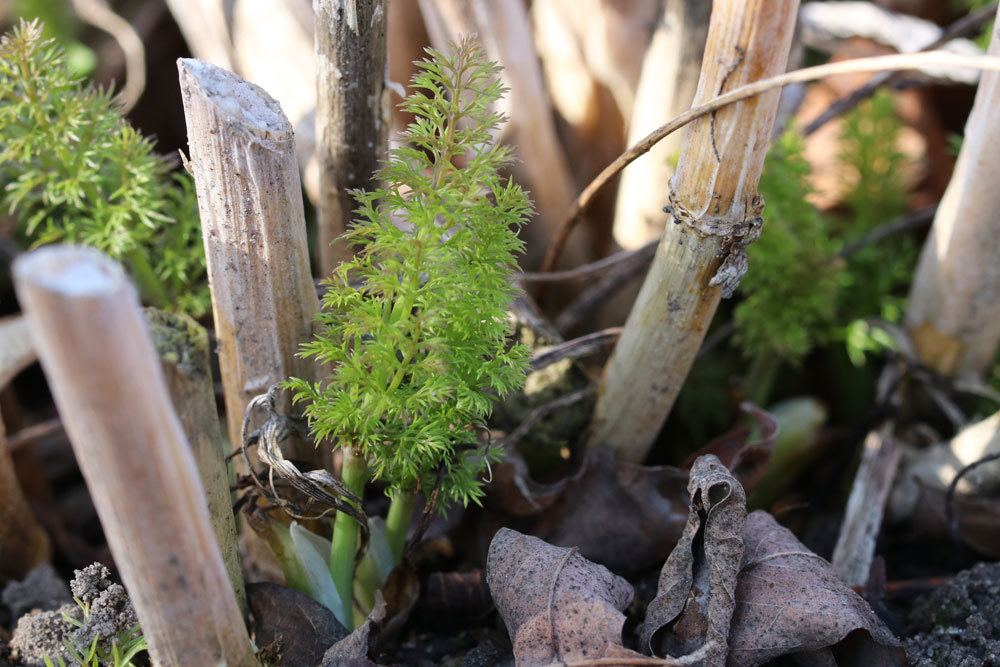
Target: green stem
150,287
760,377
344,547
397,523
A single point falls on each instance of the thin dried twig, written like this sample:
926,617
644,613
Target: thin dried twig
597,293
900,62
99,14
593,268
317,485
951,517
577,348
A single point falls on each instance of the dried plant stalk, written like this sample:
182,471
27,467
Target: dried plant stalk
23,543
954,308
352,117
16,349
229,34
715,211
250,201
182,345
107,383
669,79
855,550
505,32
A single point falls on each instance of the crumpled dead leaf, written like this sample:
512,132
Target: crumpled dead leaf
623,516
299,629
690,615
747,459
789,601
353,649
976,517
921,487
557,605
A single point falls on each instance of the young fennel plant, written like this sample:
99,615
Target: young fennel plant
72,170
414,329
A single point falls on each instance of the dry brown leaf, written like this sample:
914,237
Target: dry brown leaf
976,517
691,612
557,605
623,516
789,601
747,459
292,624
353,649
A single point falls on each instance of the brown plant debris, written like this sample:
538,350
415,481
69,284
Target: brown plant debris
355,647
624,516
747,459
790,601
691,612
291,624
557,605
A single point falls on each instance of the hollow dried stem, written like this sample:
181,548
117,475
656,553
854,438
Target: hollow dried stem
108,387
351,114
250,201
715,213
954,308
669,79
182,345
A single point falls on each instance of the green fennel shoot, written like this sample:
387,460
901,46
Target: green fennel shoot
73,170
414,329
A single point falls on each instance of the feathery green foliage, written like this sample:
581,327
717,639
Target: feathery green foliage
790,293
878,272
415,328
73,170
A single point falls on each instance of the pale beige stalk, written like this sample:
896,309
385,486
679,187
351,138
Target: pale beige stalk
670,73
107,383
715,212
182,345
855,549
505,33
23,543
230,34
17,351
250,201
352,118
954,308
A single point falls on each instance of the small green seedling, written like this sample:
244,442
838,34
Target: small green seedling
414,329
73,170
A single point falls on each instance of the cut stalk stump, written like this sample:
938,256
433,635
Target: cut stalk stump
715,213
253,225
182,345
954,310
108,386
23,542
352,115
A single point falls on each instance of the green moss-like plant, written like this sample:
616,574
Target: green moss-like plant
415,329
790,294
878,272
73,170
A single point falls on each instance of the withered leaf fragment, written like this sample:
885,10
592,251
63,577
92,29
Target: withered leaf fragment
690,615
624,516
296,626
352,650
790,601
557,605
